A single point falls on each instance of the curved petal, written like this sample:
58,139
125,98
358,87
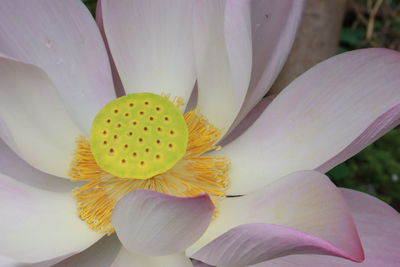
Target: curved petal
16,168
151,44
34,118
300,213
222,45
244,124
126,258
46,263
101,254
315,117
7,262
119,88
152,223
197,263
61,38
383,124
252,243
38,225
379,227
274,27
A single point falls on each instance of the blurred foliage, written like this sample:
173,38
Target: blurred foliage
371,23
375,170
91,5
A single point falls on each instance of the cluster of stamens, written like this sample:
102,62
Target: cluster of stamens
142,141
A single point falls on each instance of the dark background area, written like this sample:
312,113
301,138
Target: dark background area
376,169
366,23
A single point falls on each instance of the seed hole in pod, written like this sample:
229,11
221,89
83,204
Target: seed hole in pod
108,121
134,123
140,140
131,105
166,118
158,141
147,150
170,145
145,129
158,156
142,163
115,136
171,132
141,113
134,154
130,133
119,125
123,161
126,146
105,142
151,118
158,108
146,103
116,111
159,129
104,132
126,114
111,150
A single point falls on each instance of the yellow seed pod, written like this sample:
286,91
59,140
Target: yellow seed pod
138,136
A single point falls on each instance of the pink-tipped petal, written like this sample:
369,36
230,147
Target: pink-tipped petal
61,38
101,254
151,44
252,243
127,258
274,27
315,118
35,123
300,213
151,223
379,227
383,124
222,45
38,225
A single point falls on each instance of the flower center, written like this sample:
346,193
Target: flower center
145,137
138,136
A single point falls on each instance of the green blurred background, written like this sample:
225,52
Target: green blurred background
375,170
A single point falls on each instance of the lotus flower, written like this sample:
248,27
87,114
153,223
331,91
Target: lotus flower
260,197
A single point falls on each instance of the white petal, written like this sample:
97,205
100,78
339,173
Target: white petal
316,117
38,225
222,43
244,124
274,27
151,44
126,258
152,223
35,123
61,38
16,168
101,254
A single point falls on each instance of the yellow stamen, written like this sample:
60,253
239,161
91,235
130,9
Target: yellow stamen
192,175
